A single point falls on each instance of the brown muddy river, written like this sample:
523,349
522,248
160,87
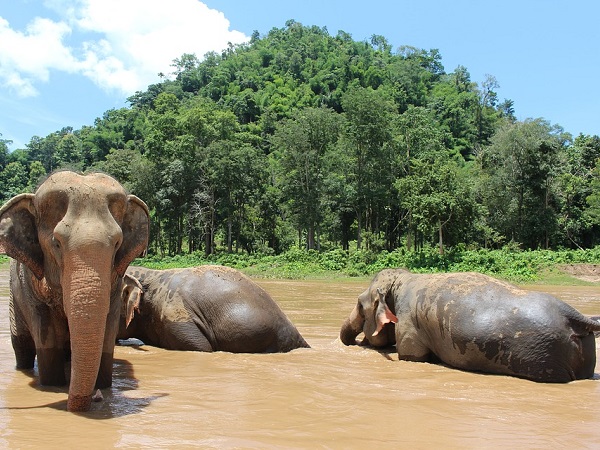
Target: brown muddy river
329,396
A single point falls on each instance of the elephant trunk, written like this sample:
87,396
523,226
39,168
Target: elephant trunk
351,328
86,301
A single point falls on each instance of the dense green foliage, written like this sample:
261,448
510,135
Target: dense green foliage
517,266
300,139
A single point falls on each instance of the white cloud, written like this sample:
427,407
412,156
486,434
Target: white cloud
27,57
106,70
147,35
119,44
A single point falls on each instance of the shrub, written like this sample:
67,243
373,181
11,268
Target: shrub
507,263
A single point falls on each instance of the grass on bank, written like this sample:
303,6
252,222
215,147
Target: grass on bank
535,266
517,266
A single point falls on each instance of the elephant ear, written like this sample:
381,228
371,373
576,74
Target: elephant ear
18,233
132,296
136,229
383,314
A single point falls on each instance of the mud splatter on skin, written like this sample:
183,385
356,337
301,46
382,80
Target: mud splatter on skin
474,322
209,308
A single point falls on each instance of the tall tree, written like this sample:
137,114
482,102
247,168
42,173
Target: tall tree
4,143
13,180
36,174
300,147
486,114
439,196
369,141
236,172
455,101
68,152
520,167
575,184
419,138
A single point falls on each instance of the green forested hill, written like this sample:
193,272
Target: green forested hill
303,138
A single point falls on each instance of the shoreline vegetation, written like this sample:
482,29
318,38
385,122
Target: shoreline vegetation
533,266
301,138
552,267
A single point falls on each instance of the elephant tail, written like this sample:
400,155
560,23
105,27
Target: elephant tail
595,329
584,325
594,318
581,325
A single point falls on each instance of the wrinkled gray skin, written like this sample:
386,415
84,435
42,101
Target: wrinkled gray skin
474,322
71,243
205,308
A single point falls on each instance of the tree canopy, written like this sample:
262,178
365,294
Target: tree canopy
303,138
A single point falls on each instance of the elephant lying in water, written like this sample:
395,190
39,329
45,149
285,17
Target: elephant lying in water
205,308
474,322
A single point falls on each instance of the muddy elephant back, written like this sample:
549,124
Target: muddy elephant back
242,316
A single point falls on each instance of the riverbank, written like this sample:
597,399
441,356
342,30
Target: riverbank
536,266
566,267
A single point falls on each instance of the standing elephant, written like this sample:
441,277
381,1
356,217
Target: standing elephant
71,243
474,322
206,308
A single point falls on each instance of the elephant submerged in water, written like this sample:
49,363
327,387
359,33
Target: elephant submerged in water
71,243
474,322
206,308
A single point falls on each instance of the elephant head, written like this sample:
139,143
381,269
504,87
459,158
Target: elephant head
77,234
131,296
372,313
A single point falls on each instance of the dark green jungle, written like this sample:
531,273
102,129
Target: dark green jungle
302,152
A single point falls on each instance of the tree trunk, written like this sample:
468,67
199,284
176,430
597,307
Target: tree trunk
311,237
318,239
441,237
207,245
229,235
359,232
409,234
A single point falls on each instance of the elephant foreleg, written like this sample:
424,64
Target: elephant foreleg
410,347
51,366
51,335
50,360
24,348
22,341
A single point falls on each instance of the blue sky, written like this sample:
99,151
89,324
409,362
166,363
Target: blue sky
66,62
